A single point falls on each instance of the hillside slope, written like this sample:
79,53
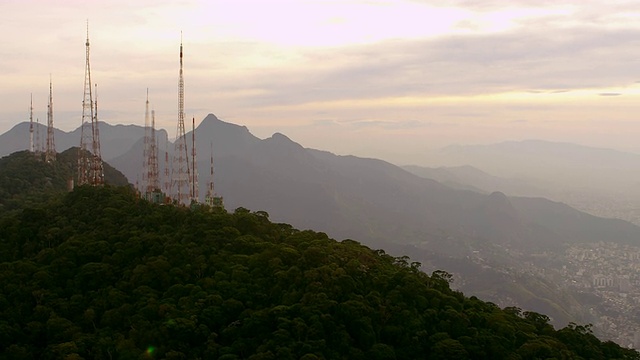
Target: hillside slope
26,177
103,275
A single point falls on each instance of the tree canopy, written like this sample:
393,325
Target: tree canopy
102,274
25,178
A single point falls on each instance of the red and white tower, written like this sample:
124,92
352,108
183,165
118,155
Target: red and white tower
194,163
180,174
50,153
96,161
145,150
152,177
38,143
150,182
90,170
167,166
211,198
31,146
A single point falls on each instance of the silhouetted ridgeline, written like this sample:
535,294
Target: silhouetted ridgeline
101,274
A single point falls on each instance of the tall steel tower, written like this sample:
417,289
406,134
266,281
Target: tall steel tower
89,163
180,175
31,146
38,143
50,154
167,165
208,198
96,161
211,198
150,184
153,181
145,150
194,164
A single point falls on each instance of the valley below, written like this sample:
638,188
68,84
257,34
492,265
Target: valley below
596,284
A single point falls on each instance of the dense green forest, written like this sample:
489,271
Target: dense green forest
25,178
102,274
99,273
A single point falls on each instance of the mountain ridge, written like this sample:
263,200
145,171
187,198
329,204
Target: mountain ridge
115,139
370,190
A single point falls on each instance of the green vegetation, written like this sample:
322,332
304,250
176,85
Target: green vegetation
101,274
25,178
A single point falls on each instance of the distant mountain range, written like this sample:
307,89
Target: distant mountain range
368,199
115,140
601,182
553,165
466,177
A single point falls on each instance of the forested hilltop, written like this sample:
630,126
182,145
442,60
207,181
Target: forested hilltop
101,274
25,178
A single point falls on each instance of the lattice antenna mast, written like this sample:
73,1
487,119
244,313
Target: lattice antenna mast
167,174
145,151
181,177
31,146
194,167
150,181
38,143
210,191
85,175
96,164
211,198
50,154
154,183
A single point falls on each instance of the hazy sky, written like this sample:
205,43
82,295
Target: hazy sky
380,78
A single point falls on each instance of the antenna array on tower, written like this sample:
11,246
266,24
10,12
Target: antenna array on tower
167,172
145,150
154,182
50,153
96,160
150,183
211,198
194,166
181,182
31,146
90,169
180,174
38,143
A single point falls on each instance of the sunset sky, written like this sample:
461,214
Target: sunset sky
376,78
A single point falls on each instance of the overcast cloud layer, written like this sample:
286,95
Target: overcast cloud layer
389,79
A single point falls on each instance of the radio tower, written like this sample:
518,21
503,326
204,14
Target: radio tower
96,163
89,164
180,175
50,154
38,143
154,182
150,183
211,198
167,175
145,150
31,146
194,166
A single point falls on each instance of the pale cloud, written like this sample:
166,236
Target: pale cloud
439,72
